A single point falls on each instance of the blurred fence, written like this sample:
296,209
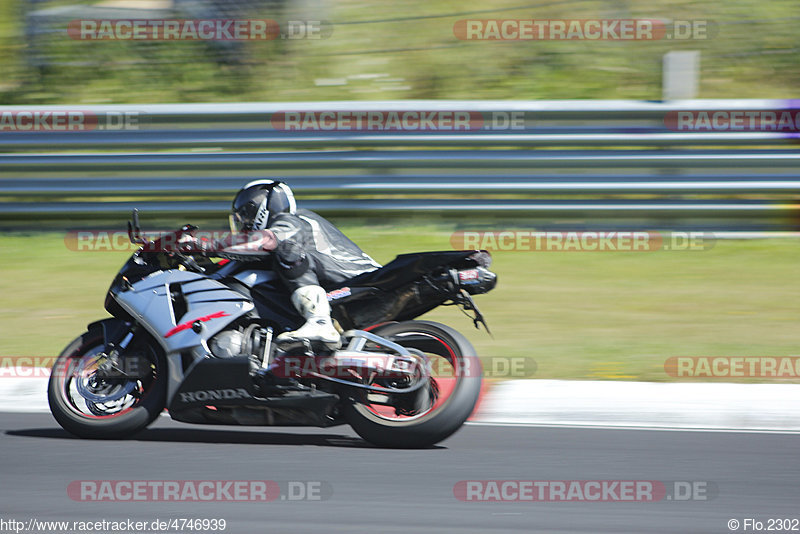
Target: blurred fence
620,164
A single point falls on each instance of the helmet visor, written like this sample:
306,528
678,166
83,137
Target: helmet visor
237,223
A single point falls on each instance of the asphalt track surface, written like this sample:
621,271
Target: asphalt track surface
377,490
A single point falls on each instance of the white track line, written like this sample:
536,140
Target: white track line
23,394
685,407
565,425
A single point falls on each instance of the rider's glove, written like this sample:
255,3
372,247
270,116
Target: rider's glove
194,245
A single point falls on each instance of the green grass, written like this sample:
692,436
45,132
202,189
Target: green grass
385,50
582,315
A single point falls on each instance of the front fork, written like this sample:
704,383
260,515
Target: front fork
116,364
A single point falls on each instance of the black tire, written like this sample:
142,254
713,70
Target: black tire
126,423
441,422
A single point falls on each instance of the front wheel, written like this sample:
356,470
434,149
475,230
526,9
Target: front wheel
453,390
91,405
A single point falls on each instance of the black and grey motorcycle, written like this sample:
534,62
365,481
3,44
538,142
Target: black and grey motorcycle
196,337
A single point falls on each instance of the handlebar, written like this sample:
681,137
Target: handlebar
189,262
168,244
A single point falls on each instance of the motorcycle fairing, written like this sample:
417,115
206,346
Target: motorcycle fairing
407,268
220,391
150,302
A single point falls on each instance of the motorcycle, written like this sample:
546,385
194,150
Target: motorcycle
197,337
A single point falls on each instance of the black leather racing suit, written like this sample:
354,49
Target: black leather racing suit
308,250
312,251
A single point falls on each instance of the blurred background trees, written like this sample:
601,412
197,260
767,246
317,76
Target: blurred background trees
384,50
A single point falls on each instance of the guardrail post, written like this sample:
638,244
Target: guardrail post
681,75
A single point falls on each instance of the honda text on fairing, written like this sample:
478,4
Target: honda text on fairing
199,338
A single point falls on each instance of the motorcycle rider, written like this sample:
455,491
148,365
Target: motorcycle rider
307,252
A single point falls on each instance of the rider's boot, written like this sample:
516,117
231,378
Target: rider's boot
312,303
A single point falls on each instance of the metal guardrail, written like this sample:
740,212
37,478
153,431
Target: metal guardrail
584,163
251,138
567,185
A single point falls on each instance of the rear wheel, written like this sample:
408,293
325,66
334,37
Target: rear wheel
89,405
450,397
